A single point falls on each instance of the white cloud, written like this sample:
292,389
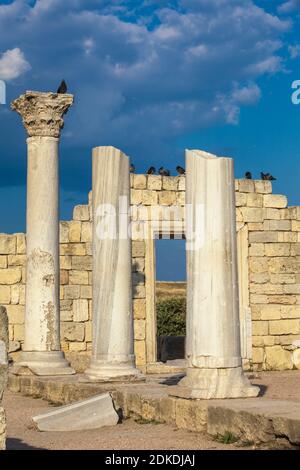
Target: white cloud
294,51
139,84
289,6
13,64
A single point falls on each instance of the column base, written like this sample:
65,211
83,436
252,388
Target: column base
42,363
214,383
111,372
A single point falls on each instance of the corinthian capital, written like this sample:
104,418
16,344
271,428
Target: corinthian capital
42,113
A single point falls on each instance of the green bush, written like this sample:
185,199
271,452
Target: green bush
170,314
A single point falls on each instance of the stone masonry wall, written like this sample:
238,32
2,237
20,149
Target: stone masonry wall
273,272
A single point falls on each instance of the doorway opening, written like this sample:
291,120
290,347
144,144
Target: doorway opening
170,299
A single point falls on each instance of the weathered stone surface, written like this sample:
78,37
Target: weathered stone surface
278,358
270,312
154,182
2,429
138,292
81,212
74,231
263,187
167,198
169,183
254,200
42,113
16,314
71,292
64,232
19,332
10,276
257,421
191,414
139,329
240,199
75,249
138,249
3,370
7,244
113,343
82,263
284,327
275,201
259,328
252,214
258,355
4,294
80,310
149,198
72,331
78,277
92,413
86,232
21,243
140,352
86,292
246,186
139,309
263,237
277,249
256,249
139,181
136,196
181,183
296,358
213,361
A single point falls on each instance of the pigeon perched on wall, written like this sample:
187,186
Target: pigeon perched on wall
132,168
267,177
180,170
248,175
151,170
62,88
163,171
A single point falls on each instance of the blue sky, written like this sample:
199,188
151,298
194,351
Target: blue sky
153,78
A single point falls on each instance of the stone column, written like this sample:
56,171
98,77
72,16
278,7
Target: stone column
42,115
3,371
112,348
214,365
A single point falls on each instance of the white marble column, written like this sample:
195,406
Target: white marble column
112,347
42,118
214,365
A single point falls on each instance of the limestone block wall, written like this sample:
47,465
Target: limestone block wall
269,272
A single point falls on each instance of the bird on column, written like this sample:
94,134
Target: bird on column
151,170
132,168
248,175
180,170
62,88
163,171
267,177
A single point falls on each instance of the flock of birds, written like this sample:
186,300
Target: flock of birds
181,171
162,171
263,176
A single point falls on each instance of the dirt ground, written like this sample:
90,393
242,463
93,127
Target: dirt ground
130,434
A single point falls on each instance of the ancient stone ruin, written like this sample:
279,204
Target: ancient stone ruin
81,300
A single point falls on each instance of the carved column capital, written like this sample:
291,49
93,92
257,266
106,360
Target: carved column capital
42,113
